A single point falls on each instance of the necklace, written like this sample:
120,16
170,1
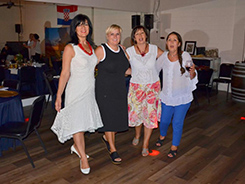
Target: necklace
81,47
144,52
172,55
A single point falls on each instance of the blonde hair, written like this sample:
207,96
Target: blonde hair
113,27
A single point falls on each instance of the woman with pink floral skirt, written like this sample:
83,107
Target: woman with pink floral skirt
144,106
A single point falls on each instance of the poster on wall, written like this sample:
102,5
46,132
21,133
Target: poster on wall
55,41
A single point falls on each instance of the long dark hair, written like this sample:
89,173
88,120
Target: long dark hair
179,50
74,23
135,29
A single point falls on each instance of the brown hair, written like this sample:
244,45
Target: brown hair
136,28
179,50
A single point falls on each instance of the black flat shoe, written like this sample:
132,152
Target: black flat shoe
173,153
159,142
114,155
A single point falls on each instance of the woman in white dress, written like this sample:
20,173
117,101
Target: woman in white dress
81,112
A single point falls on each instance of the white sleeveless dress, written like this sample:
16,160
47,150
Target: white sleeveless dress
81,112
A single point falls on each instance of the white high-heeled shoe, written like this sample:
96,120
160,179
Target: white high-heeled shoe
75,151
84,171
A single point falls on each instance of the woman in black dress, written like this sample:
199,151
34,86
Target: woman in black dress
110,89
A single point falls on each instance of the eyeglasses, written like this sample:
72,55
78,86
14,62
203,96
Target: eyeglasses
83,24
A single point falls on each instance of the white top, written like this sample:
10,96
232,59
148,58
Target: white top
177,88
144,69
38,48
31,50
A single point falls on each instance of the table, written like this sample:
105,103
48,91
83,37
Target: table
41,88
213,63
10,110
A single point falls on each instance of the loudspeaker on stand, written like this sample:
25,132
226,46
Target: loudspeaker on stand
135,20
149,20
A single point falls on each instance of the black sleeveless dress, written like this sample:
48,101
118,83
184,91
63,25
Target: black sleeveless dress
111,92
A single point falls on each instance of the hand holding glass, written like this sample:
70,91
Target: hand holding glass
188,65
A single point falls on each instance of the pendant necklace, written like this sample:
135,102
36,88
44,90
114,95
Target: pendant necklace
142,53
172,55
81,47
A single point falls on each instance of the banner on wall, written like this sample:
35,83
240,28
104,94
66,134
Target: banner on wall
65,14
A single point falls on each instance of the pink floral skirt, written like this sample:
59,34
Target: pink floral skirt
144,105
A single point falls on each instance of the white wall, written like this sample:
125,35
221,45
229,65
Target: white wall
9,17
104,19
215,24
125,5
172,4
37,16
238,37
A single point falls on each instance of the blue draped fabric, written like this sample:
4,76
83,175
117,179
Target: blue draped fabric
41,88
10,110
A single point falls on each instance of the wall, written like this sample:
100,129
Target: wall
9,17
213,24
170,4
217,24
238,44
122,5
102,20
37,16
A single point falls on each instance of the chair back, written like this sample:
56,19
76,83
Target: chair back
45,60
11,83
204,77
49,80
57,65
36,114
2,75
226,70
28,74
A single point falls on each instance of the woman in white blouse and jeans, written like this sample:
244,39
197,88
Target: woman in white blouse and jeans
176,94
143,97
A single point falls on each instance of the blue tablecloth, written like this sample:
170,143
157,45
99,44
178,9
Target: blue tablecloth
10,110
41,88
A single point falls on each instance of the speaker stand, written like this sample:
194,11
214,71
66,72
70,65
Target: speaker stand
149,39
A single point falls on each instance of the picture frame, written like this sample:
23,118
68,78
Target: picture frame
55,41
190,47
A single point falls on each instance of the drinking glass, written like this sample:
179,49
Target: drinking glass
188,64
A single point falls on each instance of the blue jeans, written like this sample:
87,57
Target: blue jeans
177,115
